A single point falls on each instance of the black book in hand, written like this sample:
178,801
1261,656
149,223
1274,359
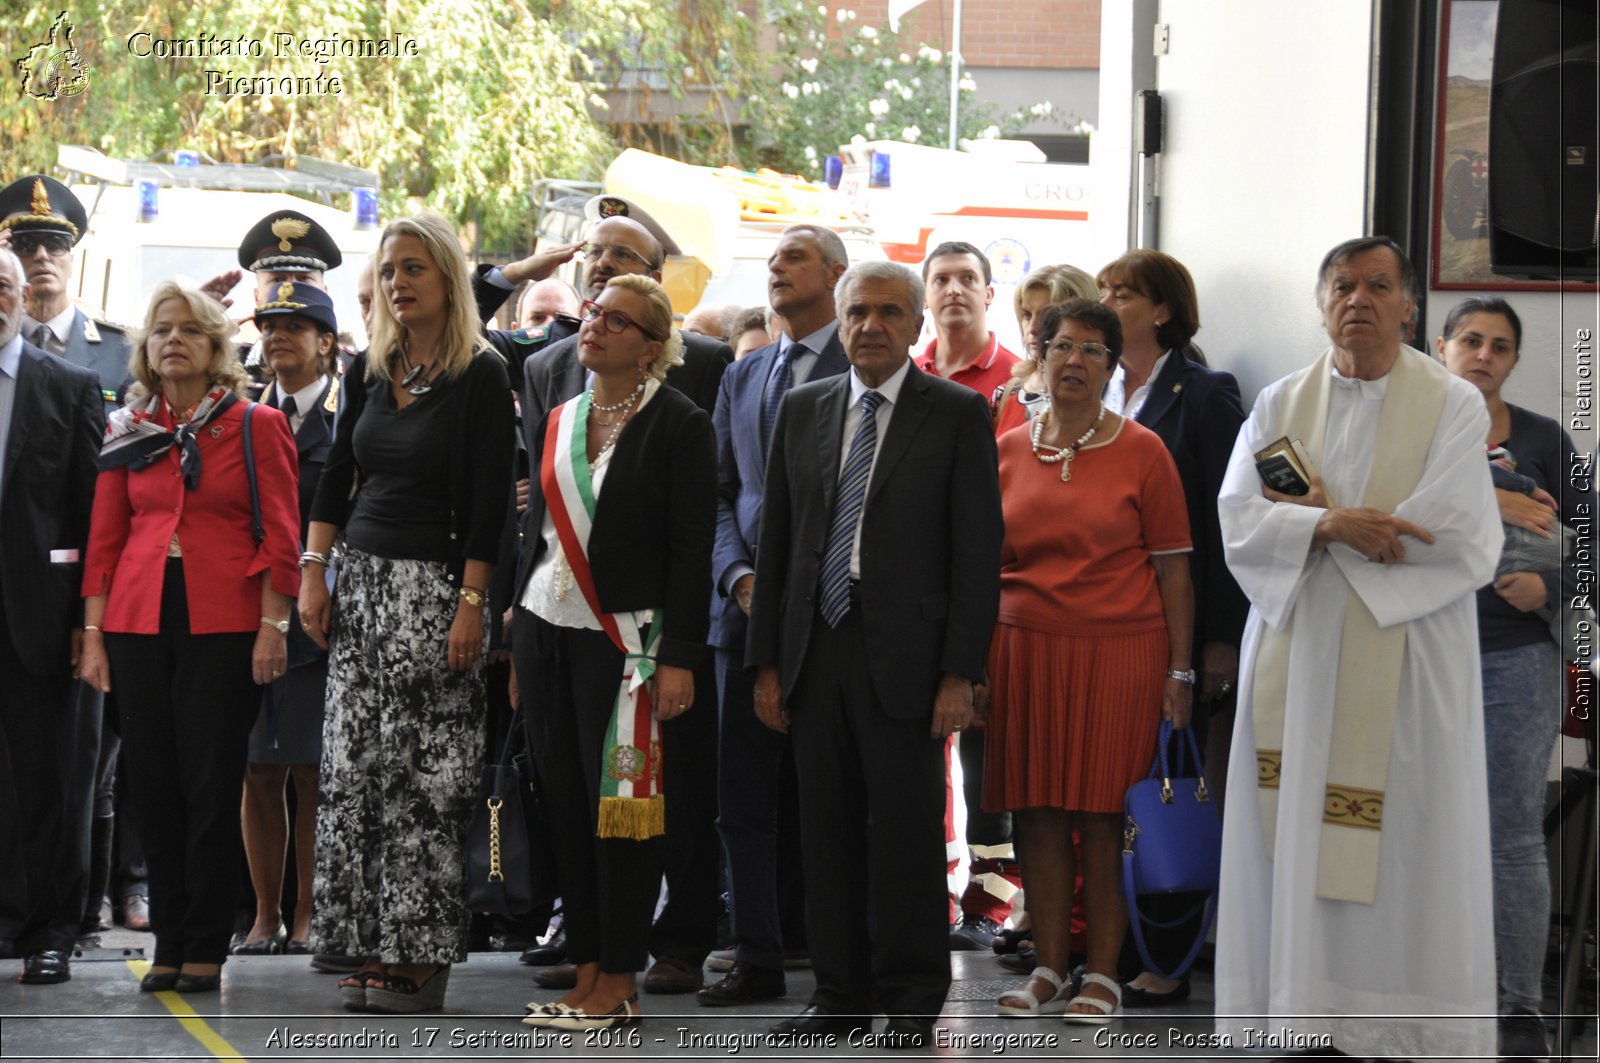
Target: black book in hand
1283,467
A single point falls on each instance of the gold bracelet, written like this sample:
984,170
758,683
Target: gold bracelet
93,627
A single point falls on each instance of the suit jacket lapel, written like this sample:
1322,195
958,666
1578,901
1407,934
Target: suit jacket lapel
1164,390
831,360
313,428
909,410
25,401
569,376
830,428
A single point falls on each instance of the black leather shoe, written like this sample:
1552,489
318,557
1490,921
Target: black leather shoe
550,953
907,1032
133,912
815,1020
561,976
1134,997
745,983
158,982
46,967
974,933
672,975
199,983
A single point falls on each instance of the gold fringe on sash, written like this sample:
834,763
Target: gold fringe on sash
636,818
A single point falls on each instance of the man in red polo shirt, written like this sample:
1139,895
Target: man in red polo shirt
964,351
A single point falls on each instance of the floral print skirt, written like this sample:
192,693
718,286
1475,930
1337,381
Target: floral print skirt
402,749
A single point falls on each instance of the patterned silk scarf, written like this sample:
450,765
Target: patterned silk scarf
632,800
135,439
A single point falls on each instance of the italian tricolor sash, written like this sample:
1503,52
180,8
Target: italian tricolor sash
632,801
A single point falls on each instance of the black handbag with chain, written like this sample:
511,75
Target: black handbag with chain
508,854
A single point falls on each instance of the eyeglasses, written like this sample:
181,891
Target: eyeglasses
613,320
25,244
1092,352
618,252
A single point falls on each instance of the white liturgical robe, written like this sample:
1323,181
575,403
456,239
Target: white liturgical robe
1412,974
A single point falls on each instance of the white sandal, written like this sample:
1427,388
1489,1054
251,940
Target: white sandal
1110,1011
1035,1007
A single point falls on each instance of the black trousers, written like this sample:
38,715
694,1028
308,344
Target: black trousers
872,808
49,734
187,704
687,927
759,822
609,886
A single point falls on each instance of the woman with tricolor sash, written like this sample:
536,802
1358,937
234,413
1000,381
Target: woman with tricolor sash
612,591
418,481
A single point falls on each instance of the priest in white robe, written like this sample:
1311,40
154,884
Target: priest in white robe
1355,902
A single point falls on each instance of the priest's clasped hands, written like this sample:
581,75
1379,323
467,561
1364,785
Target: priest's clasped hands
1371,533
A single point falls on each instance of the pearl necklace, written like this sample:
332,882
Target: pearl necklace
1062,455
617,407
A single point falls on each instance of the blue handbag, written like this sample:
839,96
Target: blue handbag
1171,843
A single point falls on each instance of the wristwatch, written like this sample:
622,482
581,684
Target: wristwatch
477,599
280,626
1183,677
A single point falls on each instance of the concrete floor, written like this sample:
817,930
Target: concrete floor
276,1007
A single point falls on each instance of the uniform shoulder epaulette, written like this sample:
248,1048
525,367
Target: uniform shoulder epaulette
93,329
331,403
532,334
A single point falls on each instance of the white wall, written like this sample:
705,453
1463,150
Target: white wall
1264,164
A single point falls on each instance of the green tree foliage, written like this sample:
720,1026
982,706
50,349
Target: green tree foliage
837,78
498,94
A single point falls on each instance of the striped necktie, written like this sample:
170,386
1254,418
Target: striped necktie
777,387
834,582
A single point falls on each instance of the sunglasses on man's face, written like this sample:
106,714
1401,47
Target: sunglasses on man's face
26,244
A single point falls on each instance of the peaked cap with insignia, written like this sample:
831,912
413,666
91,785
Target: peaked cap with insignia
292,298
606,205
41,204
286,241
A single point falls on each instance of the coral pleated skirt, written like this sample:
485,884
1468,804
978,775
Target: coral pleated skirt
1072,719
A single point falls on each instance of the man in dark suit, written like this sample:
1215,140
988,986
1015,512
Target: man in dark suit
624,241
42,221
50,429
755,771
877,584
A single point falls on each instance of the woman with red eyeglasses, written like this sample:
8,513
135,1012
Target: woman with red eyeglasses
418,481
613,582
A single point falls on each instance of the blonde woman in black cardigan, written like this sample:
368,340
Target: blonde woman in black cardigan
418,482
614,581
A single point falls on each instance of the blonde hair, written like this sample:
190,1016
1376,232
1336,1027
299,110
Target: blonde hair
224,368
1059,283
657,320
463,333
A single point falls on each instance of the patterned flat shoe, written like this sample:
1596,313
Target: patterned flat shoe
578,1019
545,1014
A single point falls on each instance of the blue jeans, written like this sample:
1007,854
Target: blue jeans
1522,704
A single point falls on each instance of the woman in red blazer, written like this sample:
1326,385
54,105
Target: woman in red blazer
186,607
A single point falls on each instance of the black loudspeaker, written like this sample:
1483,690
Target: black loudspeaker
1544,177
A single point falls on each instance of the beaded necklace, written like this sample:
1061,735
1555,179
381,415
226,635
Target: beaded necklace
1063,455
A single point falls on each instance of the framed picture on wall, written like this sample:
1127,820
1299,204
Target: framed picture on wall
1460,258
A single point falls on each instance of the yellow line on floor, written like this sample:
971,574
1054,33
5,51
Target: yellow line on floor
194,1024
